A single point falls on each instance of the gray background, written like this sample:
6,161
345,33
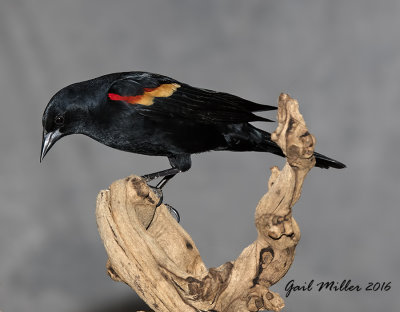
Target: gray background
340,59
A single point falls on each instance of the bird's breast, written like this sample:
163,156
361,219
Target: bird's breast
159,136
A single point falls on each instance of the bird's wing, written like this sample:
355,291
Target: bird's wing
162,97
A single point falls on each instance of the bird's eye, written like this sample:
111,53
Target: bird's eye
59,120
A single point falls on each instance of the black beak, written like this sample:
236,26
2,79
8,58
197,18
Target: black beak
48,140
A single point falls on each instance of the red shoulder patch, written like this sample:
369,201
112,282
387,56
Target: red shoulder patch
129,99
147,98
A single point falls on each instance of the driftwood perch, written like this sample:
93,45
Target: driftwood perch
153,254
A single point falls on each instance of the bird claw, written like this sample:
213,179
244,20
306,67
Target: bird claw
174,212
159,193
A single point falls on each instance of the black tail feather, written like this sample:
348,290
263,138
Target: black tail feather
322,161
326,162
259,140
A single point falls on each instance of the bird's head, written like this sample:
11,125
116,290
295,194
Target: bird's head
68,112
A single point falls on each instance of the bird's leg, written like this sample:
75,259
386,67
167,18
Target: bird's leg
179,163
171,209
163,173
164,181
166,176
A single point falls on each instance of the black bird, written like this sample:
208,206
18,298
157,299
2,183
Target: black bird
152,114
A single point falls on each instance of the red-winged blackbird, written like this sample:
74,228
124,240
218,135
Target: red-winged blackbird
151,114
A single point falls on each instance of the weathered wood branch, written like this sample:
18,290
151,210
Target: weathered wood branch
153,254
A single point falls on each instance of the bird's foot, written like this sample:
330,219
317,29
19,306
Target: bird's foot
148,177
174,212
159,194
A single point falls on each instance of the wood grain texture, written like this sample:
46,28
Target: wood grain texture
154,255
